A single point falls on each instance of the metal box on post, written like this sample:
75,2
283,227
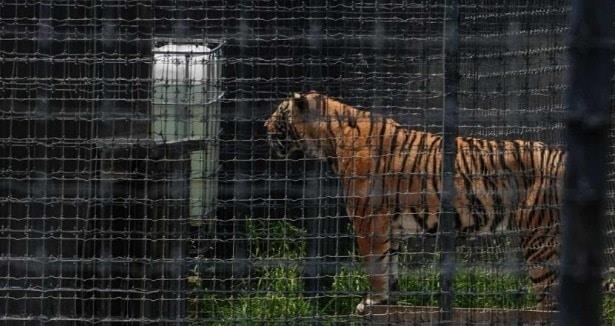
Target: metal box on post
186,108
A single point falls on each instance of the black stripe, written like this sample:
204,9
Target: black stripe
496,199
417,161
397,205
330,130
508,174
476,207
352,120
407,151
323,105
404,170
338,118
393,147
380,147
501,148
424,169
371,128
421,139
532,163
544,277
484,179
464,172
535,212
522,167
435,171
379,164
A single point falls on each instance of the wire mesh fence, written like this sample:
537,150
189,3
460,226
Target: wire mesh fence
139,182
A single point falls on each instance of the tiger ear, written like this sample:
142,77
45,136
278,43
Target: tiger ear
300,101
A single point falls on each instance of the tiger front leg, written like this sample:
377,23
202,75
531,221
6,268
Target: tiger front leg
379,254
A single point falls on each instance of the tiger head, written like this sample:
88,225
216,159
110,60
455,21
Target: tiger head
292,130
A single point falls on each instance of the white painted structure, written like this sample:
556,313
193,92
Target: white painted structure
186,106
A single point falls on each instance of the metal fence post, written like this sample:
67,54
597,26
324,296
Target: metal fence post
585,178
44,45
450,121
316,269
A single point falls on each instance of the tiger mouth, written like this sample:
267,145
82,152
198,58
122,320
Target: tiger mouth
275,143
282,146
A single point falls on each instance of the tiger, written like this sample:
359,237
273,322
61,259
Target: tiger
390,177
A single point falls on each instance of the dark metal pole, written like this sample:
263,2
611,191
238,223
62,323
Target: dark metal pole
450,121
43,77
586,166
319,268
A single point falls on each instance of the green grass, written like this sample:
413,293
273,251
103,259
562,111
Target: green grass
275,239
473,288
608,308
275,299
274,295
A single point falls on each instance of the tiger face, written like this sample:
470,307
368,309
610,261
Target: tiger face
282,135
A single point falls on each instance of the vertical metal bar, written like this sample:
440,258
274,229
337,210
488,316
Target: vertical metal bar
320,219
450,120
40,245
107,40
585,177
242,113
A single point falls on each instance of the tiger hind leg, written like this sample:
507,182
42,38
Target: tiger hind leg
542,273
540,246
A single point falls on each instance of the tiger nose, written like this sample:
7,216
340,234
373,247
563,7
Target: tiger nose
269,123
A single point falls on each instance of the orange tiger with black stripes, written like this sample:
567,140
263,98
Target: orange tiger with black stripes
391,181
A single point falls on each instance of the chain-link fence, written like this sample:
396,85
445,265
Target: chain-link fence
139,184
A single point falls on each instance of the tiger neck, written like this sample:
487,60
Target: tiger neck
344,133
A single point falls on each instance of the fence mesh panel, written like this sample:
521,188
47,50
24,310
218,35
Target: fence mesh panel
138,184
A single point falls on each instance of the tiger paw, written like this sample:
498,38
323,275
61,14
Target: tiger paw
368,301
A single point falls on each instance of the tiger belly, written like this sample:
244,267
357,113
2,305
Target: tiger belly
479,207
